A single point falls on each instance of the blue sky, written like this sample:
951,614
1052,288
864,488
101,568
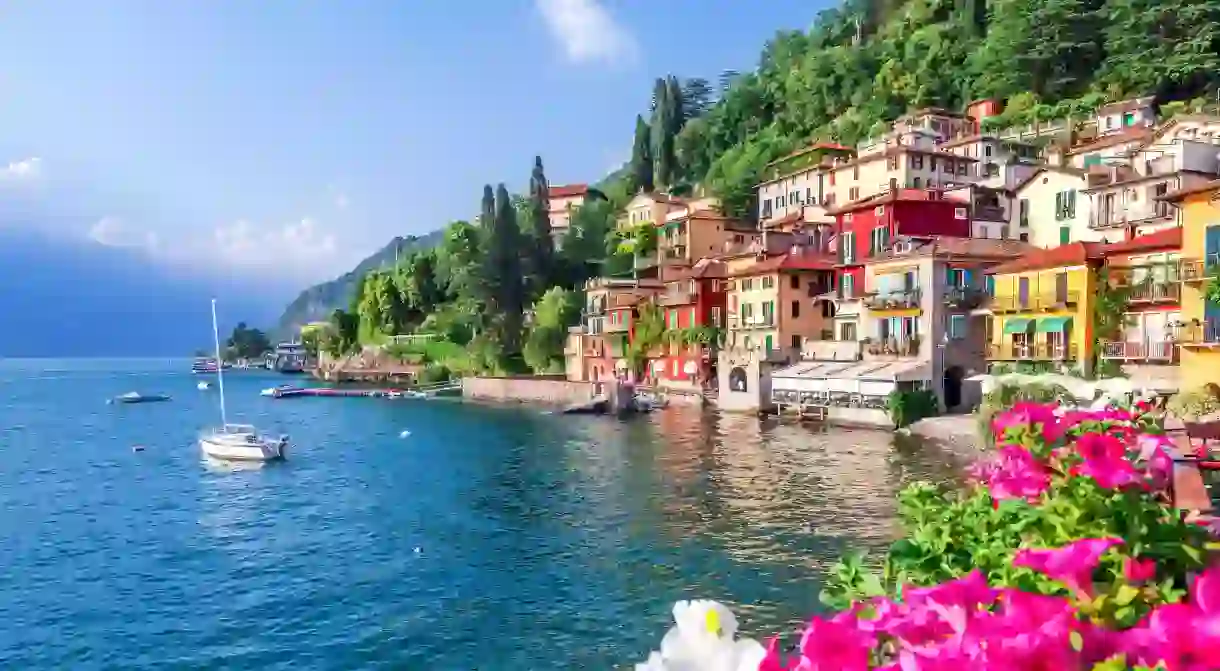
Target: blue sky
303,134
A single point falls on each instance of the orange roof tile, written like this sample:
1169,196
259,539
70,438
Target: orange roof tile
567,190
900,195
1174,196
1071,254
787,262
1121,137
1169,238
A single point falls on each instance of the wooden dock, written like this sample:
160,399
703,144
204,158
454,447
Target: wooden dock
1189,491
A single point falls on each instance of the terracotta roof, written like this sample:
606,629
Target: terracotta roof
833,146
1124,105
787,262
939,111
1178,118
1174,196
1169,238
697,214
567,190
1071,254
1121,137
947,245
790,218
901,195
1068,170
966,140
704,268
624,300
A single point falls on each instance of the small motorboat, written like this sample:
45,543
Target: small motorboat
277,391
203,386
137,397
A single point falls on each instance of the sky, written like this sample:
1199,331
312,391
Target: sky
299,136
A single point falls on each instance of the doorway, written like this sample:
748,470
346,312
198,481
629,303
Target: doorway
953,387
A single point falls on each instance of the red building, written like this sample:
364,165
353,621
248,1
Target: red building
866,227
693,299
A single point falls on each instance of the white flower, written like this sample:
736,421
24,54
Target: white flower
702,640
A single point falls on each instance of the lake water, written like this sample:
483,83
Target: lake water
489,538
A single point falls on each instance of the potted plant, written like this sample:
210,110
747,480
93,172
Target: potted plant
1198,408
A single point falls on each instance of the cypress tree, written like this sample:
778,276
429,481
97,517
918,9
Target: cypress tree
641,157
505,252
663,134
540,253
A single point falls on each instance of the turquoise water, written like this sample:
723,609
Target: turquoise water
489,538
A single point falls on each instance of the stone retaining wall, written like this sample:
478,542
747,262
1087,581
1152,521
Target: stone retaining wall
552,390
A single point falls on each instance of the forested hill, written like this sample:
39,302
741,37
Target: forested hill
317,302
870,61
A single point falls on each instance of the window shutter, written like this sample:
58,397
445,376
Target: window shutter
1059,205
1071,208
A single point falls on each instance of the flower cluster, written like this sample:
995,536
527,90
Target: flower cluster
1065,554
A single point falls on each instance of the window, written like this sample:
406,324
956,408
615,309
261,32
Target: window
848,286
957,327
794,282
768,312
853,193
768,344
747,310
1129,119
747,284
796,309
855,172
987,150
1065,235
963,168
892,163
916,182
1023,291
878,240
796,342
847,331
948,166
1065,205
779,201
795,197
849,247
1061,287
1024,237
716,316
959,213
808,194
1023,207
768,282
917,161
673,319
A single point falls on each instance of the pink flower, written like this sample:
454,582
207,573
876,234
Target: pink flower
772,661
1105,461
828,645
1205,591
1139,570
1072,564
1013,474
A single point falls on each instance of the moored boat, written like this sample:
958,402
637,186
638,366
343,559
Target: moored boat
204,365
137,397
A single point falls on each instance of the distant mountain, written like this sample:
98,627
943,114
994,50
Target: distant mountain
317,302
70,299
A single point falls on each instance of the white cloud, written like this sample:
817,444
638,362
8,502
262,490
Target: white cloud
111,231
299,244
586,31
26,169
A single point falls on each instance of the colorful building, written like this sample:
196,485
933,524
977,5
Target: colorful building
866,227
1199,335
770,300
686,236
1052,208
596,351
799,183
1041,307
1147,267
690,301
562,201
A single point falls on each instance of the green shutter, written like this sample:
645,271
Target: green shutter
767,343
1065,235
1071,204
1058,206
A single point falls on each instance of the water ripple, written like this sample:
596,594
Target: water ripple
543,540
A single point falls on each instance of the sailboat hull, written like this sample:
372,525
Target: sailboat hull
226,449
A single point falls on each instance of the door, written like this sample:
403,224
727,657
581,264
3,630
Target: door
1061,288
1023,291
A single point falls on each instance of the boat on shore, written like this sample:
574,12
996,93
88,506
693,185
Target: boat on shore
237,442
137,397
204,365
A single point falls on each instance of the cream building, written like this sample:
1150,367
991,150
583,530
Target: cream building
1052,208
1125,193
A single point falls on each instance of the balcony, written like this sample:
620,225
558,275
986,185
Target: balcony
594,347
819,287
752,322
671,298
1155,292
1031,352
1203,334
1121,218
899,300
1196,270
832,350
676,252
616,327
1160,351
964,298
901,347
1055,301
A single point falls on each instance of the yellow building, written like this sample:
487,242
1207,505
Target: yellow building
770,301
1199,336
1042,307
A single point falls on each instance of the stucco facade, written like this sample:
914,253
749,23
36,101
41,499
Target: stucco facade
1055,209
1199,338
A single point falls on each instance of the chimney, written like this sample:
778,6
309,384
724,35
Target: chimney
893,185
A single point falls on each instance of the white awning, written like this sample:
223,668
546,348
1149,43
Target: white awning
871,378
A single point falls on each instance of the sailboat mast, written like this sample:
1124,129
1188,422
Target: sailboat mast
220,368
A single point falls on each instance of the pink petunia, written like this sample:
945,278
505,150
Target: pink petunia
1105,461
828,645
1072,564
1139,571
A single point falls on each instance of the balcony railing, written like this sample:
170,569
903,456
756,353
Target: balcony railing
1197,270
1139,351
1119,218
831,350
908,346
752,322
899,300
675,252
670,298
964,298
1053,301
1155,292
1206,333
1032,352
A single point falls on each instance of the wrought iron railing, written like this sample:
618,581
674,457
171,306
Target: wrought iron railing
1032,352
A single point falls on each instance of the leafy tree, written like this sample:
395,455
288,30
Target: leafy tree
697,98
558,309
457,261
247,343
648,333
641,157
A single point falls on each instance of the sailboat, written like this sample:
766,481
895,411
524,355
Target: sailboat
237,442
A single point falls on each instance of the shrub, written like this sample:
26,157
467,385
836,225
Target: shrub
908,407
1194,404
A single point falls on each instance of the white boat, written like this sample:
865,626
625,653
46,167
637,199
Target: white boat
203,386
237,442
